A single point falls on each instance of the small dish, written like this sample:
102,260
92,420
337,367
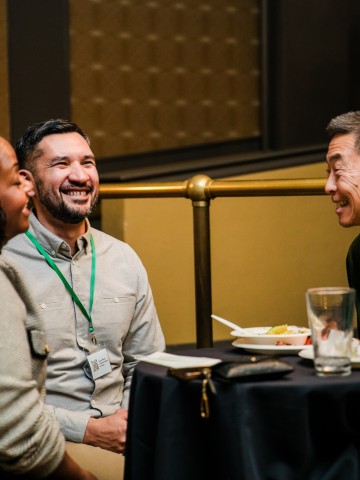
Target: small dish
308,354
259,336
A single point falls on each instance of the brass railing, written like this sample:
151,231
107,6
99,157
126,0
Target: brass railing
201,189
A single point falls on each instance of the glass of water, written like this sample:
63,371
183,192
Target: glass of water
331,320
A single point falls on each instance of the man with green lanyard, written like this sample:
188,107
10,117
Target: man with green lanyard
93,290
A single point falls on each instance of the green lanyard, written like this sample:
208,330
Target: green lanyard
66,283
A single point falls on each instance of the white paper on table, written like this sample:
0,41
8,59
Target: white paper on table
177,361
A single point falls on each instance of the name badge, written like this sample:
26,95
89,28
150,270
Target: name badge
99,363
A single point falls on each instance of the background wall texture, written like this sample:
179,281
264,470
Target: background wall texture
157,74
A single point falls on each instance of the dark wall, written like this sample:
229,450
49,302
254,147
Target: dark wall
312,74
39,80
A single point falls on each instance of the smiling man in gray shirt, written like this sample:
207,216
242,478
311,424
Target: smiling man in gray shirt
93,290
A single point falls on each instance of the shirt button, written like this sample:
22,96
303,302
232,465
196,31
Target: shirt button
116,300
43,305
52,252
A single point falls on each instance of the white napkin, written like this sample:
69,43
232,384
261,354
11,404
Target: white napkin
178,361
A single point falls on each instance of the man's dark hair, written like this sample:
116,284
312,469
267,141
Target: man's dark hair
346,123
26,147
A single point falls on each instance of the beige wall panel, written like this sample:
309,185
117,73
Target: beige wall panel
166,250
265,253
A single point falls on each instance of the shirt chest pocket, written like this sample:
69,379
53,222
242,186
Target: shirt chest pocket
59,322
112,317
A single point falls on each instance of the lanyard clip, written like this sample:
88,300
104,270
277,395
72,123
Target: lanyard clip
92,334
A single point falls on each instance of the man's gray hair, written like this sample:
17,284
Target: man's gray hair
346,123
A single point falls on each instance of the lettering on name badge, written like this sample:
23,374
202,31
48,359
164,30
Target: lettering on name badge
99,363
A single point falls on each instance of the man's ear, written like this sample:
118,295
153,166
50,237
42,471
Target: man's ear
28,182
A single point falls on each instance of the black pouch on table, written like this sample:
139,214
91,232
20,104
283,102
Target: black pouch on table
254,366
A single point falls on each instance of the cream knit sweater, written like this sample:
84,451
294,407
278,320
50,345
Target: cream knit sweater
30,439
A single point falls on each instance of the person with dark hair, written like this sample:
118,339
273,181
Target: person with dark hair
343,159
93,289
29,142
31,444
343,184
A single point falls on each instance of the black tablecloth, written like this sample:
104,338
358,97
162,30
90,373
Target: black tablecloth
298,427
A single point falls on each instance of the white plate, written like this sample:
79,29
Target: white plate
258,335
308,353
270,349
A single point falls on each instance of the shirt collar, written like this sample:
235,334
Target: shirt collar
55,245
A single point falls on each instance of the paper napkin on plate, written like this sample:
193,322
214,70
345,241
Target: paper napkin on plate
178,361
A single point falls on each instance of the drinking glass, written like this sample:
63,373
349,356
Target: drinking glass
330,313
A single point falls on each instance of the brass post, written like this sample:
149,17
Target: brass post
197,191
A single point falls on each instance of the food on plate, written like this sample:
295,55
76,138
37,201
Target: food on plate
285,330
277,330
284,333
282,342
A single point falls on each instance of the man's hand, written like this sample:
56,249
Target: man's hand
108,432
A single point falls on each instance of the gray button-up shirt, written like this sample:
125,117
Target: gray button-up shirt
124,318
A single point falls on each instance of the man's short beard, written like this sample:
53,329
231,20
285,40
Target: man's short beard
59,209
